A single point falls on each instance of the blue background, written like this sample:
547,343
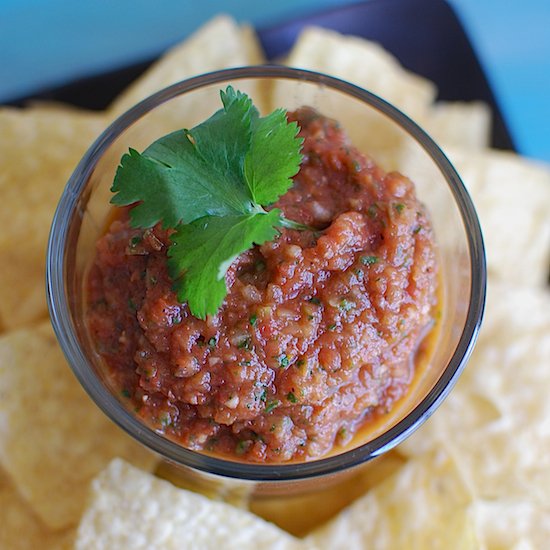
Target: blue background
45,43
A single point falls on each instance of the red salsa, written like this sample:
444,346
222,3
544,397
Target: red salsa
317,334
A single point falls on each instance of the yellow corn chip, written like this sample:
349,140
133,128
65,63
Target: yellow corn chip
423,505
39,149
132,509
512,198
326,500
53,439
364,63
219,44
496,419
517,524
367,65
21,529
458,124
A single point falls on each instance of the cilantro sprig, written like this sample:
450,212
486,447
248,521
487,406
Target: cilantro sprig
211,184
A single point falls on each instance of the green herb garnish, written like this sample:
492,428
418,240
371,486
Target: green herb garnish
346,305
211,184
272,405
284,361
246,343
369,260
399,207
242,446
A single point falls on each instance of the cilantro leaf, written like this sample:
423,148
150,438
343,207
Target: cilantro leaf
190,174
211,183
270,164
202,251
224,139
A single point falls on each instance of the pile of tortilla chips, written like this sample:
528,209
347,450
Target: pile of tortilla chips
476,475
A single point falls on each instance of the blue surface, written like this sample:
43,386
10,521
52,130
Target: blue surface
45,43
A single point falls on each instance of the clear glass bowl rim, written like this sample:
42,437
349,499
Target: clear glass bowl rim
61,319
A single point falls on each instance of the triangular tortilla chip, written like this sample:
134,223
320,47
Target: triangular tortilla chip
219,44
421,506
517,524
367,65
496,419
132,509
458,124
21,529
53,438
511,195
39,149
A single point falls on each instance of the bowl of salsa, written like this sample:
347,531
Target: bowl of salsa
282,303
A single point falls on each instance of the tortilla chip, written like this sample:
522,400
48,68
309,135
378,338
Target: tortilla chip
132,509
512,197
219,44
364,63
53,439
424,505
511,455
326,500
39,149
496,419
515,524
458,124
22,530
367,65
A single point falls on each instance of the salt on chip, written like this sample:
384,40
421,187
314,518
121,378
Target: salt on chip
53,439
511,195
129,508
21,529
367,65
39,149
423,505
219,44
496,419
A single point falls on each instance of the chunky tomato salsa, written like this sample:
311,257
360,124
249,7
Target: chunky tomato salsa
317,334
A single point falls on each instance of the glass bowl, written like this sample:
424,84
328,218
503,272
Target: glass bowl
373,124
